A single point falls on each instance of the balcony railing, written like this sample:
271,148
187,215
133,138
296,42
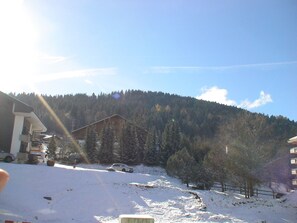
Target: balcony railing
25,138
294,161
293,150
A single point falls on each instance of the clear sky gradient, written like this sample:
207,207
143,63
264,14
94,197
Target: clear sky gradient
241,53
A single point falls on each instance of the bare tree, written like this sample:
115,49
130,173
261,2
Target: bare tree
246,138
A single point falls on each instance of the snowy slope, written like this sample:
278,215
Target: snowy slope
88,193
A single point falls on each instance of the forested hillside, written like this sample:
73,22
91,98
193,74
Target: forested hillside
196,118
206,133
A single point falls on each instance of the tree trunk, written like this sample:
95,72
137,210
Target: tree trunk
251,187
223,186
246,190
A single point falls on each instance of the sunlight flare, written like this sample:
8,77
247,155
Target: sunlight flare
18,40
62,126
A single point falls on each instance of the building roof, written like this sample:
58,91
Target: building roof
19,105
104,119
293,140
76,131
22,109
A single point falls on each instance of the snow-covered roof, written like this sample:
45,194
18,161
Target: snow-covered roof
293,140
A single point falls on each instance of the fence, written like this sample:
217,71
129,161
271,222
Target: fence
241,190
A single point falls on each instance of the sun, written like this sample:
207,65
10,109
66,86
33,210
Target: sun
18,44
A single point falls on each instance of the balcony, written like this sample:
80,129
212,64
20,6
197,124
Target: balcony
293,150
294,161
294,171
25,138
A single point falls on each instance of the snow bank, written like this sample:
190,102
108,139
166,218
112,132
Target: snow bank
89,193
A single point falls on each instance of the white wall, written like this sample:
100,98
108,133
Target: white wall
17,131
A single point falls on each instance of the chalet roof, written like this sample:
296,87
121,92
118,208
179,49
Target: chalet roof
293,140
22,109
19,105
104,119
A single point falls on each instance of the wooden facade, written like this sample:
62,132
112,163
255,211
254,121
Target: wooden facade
116,121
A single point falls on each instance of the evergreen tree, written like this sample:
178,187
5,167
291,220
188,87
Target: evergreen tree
128,145
171,141
151,149
52,148
201,176
91,145
105,154
216,162
182,165
140,136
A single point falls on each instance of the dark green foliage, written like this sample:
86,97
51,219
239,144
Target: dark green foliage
105,154
128,145
215,163
202,176
200,148
171,141
52,148
182,165
196,118
151,149
91,145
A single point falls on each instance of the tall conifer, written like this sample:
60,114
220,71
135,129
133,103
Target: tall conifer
91,145
151,149
105,154
52,147
128,145
171,141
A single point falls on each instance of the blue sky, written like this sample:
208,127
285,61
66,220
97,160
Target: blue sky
236,52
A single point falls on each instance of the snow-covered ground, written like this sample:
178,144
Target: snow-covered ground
89,193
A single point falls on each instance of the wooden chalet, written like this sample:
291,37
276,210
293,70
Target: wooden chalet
116,121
